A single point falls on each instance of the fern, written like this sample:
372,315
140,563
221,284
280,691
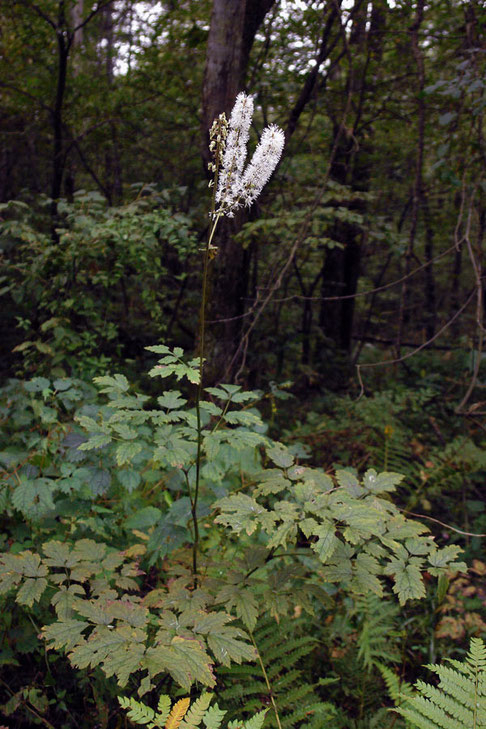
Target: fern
459,702
398,690
138,712
282,651
183,715
177,713
378,631
195,714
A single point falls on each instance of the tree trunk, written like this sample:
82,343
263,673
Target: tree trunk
341,268
63,47
113,175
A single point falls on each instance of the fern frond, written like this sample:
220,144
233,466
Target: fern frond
460,700
397,690
177,713
256,722
195,714
281,650
240,690
377,625
288,680
163,709
213,717
137,712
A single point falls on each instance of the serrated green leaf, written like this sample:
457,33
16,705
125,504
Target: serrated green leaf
272,481
327,541
171,400
59,554
241,512
227,645
95,441
31,591
280,456
408,579
440,558
34,498
381,482
125,452
129,478
184,659
31,565
124,431
64,599
64,634
89,550
112,384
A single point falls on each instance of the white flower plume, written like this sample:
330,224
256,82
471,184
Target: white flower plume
235,186
263,163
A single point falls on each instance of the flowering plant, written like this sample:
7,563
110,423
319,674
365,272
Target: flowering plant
235,186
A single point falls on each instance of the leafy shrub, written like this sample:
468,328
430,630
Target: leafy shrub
260,527
109,285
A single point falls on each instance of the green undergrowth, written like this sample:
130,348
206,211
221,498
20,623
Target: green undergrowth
281,586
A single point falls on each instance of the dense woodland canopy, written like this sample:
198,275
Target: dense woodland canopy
349,297
380,192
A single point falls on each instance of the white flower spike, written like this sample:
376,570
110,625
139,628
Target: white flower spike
235,186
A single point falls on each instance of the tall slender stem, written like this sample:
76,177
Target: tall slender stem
202,331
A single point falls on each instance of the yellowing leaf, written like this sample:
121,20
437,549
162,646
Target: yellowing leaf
177,713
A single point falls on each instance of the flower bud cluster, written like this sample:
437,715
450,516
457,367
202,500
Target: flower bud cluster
217,143
236,186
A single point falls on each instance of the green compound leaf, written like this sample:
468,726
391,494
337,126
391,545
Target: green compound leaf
243,601
64,600
225,641
96,441
242,512
137,712
59,554
280,456
194,716
408,579
64,634
256,722
163,709
380,482
213,717
125,452
185,659
34,498
31,591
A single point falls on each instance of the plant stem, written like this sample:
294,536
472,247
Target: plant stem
202,330
265,676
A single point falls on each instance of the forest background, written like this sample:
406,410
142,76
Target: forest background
345,308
